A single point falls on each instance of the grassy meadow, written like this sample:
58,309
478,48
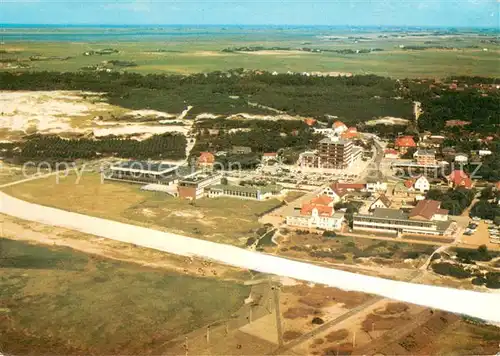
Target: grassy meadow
56,300
203,54
225,220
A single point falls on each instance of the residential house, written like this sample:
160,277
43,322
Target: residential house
337,191
376,186
404,143
310,121
422,184
339,127
458,178
381,202
351,133
206,160
391,154
316,214
269,156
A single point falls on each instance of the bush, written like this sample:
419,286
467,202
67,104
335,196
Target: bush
317,321
449,269
329,234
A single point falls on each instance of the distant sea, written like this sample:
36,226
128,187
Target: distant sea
131,33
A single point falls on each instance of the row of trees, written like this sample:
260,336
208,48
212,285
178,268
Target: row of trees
54,148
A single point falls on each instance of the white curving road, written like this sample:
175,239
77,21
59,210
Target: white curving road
472,303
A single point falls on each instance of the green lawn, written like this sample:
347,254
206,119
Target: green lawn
59,301
225,220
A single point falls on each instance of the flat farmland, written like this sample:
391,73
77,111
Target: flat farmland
442,56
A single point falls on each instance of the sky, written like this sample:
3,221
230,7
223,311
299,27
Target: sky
442,13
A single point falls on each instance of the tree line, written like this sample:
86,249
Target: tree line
55,149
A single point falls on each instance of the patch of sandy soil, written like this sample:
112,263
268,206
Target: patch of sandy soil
45,111
150,113
265,117
52,112
388,120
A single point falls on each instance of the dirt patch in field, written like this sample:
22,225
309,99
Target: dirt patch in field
299,312
337,335
291,335
320,296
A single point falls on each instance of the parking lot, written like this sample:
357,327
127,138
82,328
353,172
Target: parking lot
481,235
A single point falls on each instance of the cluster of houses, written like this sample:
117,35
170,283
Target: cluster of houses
426,151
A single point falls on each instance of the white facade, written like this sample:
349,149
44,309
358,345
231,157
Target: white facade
378,204
461,159
376,187
332,194
316,221
422,184
483,153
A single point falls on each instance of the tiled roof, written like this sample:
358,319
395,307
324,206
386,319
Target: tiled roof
460,179
322,200
427,209
206,157
270,154
338,124
405,141
322,210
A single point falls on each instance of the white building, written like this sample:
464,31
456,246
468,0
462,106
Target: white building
317,214
381,202
376,186
483,153
422,184
461,158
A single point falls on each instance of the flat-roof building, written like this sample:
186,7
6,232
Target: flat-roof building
243,192
427,218
145,172
194,187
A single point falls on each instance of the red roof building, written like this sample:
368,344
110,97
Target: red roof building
459,178
206,159
322,200
427,209
310,122
403,143
307,209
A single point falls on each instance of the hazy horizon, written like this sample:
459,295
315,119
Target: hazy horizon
436,13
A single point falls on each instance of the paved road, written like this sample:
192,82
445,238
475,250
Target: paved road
485,305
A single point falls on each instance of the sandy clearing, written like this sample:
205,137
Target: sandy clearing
45,111
485,305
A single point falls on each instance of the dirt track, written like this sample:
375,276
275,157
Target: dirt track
453,300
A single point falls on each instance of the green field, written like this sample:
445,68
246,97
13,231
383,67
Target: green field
225,220
465,56
59,301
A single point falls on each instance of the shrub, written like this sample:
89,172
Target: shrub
317,321
449,269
